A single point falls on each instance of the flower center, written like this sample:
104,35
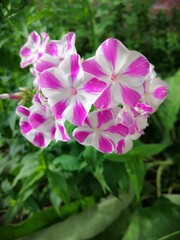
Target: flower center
73,91
114,77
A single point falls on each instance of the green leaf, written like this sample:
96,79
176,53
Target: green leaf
87,224
168,113
114,157
136,171
92,156
154,222
28,167
140,150
67,162
39,15
58,184
43,219
28,185
56,200
99,175
174,198
147,150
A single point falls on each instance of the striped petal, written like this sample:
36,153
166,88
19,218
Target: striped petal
22,111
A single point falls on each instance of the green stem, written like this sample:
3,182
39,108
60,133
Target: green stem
93,24
159,163
170,235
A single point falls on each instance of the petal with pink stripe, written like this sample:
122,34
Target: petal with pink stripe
104,101
105,145
79,114
48,80
25,127
110,50
61,133
129,96
104,117
94,86
91,66
75,67
138,68
119,129
22,111
59,108
81,135
39,140
160,92
52,49
36,119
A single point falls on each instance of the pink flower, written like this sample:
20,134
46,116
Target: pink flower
155,92
135,119
56,51
38,125
101,131
124,72
33,49
69,90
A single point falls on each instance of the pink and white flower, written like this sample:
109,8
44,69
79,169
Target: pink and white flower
135,119
38,125
101,131
155,92
124,72
69,90
56,51
33,49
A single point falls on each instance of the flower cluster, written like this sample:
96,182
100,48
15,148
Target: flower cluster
108,97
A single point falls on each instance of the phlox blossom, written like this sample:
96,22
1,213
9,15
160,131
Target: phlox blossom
101,131
124,72
69,90
109,96
33,49
135,119
38,125
155,91
56,51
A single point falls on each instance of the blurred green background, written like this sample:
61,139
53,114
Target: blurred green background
45,187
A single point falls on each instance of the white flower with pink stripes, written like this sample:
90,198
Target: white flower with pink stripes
70,91
135,119
101,131
56,51
124,72
155,92
38,125
120,83
33,49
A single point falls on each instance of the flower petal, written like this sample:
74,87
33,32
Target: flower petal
61,133
129,96
104,101
25,127
48,80
124,145
92,66
105,145
22,111
81,135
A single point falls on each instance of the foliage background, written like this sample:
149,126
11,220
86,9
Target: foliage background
48,186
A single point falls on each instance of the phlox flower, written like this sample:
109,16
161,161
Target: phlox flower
123,71
33,49
101,131
38,125
135,119
70,91
56,51
155,91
